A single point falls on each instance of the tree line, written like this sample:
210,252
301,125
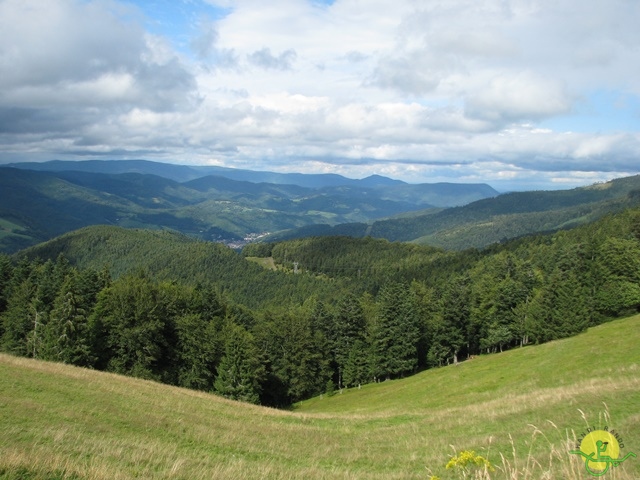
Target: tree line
403,320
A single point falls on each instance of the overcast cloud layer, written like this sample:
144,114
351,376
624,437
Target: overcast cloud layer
517,93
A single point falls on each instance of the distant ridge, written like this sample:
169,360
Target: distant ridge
178,173
379,181
490,220
39,201
184,173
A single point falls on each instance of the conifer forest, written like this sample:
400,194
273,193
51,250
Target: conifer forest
329,313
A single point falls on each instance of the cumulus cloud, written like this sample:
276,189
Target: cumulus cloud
265,59
516,97
69,66
437,90
68,48
205,46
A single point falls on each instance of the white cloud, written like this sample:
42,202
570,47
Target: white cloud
523,96
265,59
66,43
438,89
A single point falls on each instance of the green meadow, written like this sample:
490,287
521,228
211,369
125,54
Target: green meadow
522,410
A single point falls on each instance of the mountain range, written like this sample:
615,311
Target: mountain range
184,173
39,201
491,220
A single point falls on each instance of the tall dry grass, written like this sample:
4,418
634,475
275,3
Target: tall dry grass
557,464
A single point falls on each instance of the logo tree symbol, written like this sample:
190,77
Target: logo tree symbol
600,450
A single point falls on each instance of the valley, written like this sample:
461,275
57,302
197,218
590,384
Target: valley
319,240
223,205
39,201
397,344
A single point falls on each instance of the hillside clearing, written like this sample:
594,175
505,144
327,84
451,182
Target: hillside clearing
521,409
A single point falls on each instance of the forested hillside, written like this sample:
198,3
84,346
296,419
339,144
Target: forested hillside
366,263
492,220
164,306
36,205
171,256
512,215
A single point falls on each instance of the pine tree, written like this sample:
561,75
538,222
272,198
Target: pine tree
240,372
395,335
66,334
6,272
349,326
357,369
132,322
198,351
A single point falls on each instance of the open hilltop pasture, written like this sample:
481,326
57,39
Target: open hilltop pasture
522,410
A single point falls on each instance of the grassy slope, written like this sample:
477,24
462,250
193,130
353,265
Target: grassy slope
55,418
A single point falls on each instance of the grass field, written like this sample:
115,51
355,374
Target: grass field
12,230
266,262
522,410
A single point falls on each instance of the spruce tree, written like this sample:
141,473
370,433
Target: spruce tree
66,334
132,321
6,272
357,369
395,333
450,337
21,321
297,365
240,372
198,351
620,276
349,326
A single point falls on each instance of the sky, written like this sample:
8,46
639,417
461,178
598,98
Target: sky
519,94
